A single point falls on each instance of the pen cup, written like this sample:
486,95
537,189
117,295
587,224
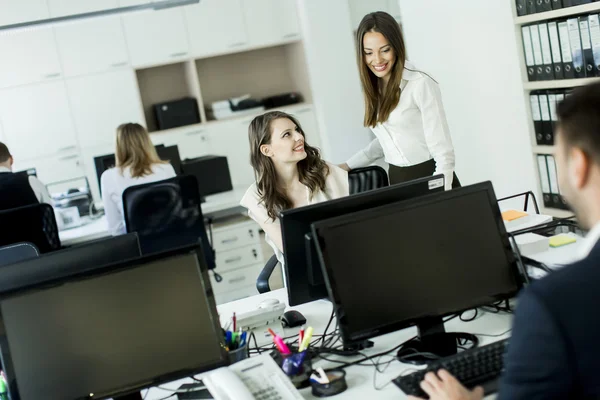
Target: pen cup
336,385
239,354
301,379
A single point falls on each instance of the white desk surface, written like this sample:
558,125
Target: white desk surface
96,229
359,378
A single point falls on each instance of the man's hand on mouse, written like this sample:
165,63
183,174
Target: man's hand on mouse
443,386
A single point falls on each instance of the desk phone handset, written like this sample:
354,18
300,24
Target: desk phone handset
254,378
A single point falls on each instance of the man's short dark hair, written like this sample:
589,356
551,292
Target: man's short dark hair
4,153
579,120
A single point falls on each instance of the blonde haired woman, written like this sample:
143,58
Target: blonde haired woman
136,163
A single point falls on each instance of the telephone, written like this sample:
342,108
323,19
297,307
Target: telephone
253,378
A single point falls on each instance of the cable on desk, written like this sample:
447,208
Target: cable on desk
469,319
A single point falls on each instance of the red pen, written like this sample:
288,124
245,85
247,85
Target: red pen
301,335
234,323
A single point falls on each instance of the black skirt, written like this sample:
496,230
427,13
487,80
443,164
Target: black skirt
405,174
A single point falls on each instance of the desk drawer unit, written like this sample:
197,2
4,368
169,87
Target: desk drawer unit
238,258
229,238
237,279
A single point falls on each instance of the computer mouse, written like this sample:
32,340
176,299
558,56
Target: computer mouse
268,303
292,319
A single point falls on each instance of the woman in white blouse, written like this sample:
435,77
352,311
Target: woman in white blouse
137,163
403,108
289,173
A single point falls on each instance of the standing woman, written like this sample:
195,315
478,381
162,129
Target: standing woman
403,108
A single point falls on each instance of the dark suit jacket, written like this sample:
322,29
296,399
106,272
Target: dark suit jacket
554,351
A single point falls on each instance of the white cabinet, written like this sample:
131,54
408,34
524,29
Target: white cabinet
360,8
102,102
37,120
271,21
17,11
157,37
216,26
308,120
60,8
54,168
230,138
192,141
28,57
108,52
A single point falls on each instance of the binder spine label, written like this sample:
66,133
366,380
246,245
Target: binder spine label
537,47
535,107
575,41
595,38
529,61
552,105
544,107
554,42
546,54
565,44
585,34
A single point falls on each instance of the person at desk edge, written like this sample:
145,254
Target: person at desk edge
403,108
289,174
554,348
137,163
17,190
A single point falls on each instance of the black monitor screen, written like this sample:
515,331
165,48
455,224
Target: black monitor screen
391,266
111,333
304,279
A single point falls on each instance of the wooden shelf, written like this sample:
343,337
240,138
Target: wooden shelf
543,149
558,83
563,12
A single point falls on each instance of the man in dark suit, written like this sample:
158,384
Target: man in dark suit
555,346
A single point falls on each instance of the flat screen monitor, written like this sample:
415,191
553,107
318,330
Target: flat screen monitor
416,261
304,278
112,331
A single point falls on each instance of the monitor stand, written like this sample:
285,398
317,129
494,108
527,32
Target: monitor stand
432,342
132,396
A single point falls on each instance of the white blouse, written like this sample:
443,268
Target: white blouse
113,184
336,185
416,130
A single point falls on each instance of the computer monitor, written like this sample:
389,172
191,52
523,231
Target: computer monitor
112,331
167,153
304,278
74,259
415,262
212,173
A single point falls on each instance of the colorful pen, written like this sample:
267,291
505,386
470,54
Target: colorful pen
306,341
279,343
234,323
301,335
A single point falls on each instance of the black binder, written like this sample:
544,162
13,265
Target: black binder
537,53
528,50
555,197
536,115
586,46
521,6
557,64
567,3
530,6
546,120
543,5
552,102
544,179
594,22
548,73
565,50
557,4
576,50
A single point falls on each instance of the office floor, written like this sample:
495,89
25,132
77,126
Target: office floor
276,280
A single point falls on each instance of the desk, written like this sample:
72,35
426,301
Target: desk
359,378
98,228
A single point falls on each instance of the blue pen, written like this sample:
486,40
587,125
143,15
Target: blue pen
243,340
228,338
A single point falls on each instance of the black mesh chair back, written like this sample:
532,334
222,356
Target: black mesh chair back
14,253
368,178
35,224
166,215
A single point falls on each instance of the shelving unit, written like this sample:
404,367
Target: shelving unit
549,84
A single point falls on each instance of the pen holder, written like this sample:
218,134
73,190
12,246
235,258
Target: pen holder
336,385
301,379
239,354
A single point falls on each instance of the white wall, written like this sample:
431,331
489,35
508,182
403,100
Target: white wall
469,47
334,78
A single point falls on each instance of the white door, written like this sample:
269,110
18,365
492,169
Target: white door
308,120
28,57
54,168
60,8
102,102
17,11
271,21
216,26
108,52
191,142
37,120
230,139
156,37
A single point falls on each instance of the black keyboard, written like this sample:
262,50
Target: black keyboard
474,367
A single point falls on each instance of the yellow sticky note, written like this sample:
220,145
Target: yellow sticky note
561,240
511,215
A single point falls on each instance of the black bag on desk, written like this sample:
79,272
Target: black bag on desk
176,113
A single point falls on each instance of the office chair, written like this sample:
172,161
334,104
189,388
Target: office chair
14,253
166,215
359,180
34,223
367,178
75,259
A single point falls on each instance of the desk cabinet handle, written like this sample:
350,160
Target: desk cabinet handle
234,259
180,54
68,157
290,35
66,148
238,44
231,240
238,279
53,75
119,64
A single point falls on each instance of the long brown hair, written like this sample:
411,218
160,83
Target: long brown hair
135,150
312,170
378,106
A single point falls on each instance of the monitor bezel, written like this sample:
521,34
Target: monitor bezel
7,362
349,336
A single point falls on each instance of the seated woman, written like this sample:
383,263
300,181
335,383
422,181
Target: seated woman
289,174
136,163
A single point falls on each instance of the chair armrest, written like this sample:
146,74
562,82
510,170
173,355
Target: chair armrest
262,282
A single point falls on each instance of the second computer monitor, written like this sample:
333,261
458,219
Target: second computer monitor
304,279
